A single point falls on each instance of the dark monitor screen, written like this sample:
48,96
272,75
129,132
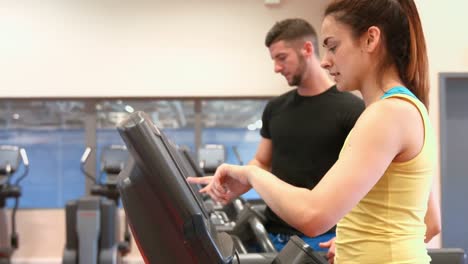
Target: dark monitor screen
184,159
195,169
168,222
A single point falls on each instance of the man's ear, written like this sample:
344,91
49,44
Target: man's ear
371,39
308,48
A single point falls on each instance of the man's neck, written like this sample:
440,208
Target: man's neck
316,82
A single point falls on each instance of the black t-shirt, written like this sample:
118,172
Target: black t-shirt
307,134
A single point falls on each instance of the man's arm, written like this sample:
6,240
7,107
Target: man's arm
263,156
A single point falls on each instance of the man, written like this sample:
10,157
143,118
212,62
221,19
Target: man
304,129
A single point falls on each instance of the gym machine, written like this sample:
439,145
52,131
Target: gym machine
11,158
92,222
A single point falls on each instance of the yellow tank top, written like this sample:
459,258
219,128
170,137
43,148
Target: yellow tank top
387,225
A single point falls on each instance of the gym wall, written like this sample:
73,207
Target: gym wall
106,48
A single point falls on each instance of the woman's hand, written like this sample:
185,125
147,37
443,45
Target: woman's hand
228,182
330,244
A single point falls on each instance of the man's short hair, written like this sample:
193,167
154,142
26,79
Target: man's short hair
290,30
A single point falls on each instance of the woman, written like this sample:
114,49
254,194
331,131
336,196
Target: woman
379,190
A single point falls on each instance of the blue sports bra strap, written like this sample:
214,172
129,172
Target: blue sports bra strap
397,90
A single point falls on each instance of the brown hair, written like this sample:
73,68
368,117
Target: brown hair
402,35
290,30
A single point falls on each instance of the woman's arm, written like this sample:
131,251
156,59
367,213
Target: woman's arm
432,218
383,132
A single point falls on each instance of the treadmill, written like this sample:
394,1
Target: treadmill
167,218
239,218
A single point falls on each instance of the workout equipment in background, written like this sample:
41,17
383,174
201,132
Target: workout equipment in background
184,234
92,222
113,159
11,158
447,256
235,150
210,156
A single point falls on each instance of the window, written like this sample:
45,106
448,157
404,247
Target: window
52,132
55,134
234,124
